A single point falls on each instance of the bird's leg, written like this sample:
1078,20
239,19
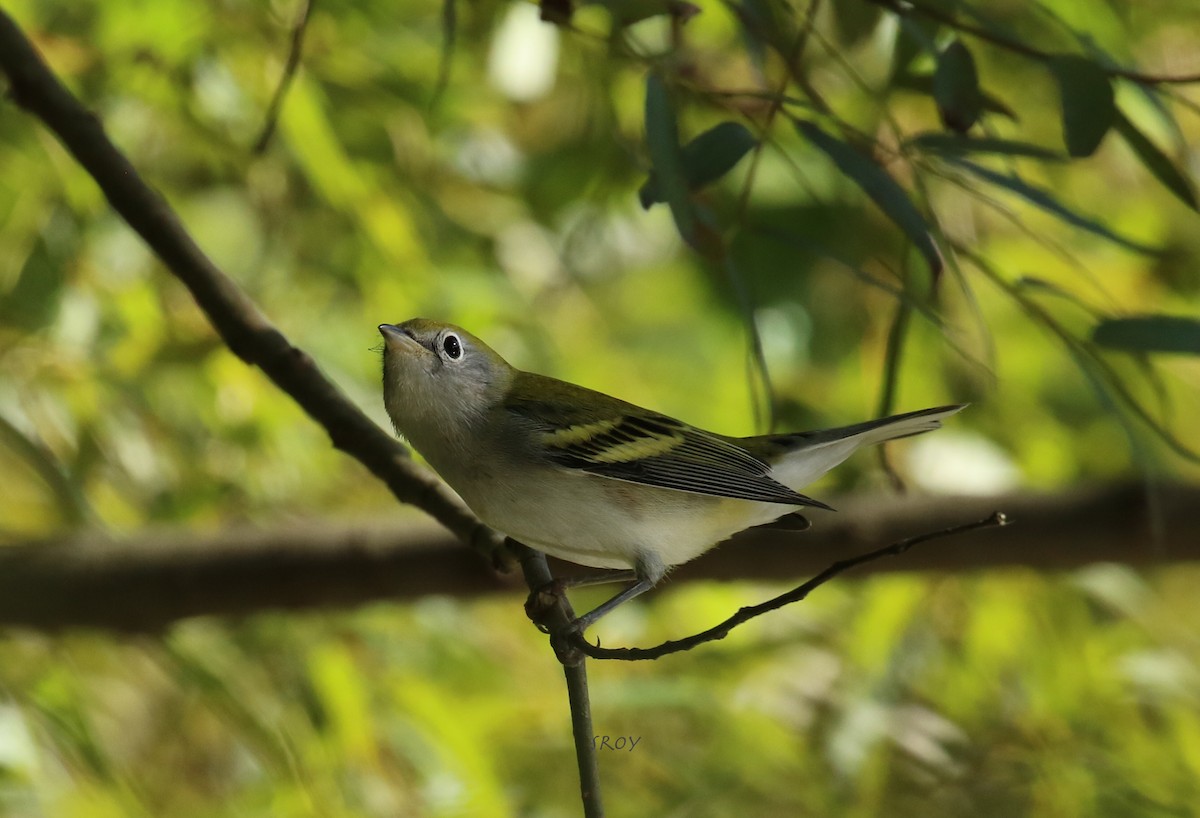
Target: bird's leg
542,599
599,578
582,623
648,571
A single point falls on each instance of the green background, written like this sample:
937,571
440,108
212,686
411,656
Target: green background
1005,693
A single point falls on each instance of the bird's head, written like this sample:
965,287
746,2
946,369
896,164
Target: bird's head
438,376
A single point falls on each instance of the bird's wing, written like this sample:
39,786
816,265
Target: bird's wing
615,439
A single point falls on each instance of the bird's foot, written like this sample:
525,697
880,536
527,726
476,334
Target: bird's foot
541,601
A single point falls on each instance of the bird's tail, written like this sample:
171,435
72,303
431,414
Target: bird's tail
878,431
804,456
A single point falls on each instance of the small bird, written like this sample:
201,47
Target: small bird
590,478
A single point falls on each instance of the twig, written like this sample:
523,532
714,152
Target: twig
948,18
449,35
285,82
758,359
244,329
1091,362
897,335
71,502
795,595
555,619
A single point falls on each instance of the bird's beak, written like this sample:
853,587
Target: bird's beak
397,338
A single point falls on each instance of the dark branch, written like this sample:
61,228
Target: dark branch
555,619
246,331
146,583
795,595
285,81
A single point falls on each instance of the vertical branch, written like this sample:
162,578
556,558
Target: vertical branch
71,501
556,621
585,746
897,335
285,82
449,35
757,360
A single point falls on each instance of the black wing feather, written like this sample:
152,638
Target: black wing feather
692,460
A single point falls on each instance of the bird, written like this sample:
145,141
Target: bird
593,479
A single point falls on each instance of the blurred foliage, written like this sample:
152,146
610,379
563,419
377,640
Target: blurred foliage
507,201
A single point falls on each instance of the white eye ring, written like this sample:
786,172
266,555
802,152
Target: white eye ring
451,346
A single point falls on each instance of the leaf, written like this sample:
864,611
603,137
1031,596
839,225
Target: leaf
882,188
1150,333
33,302
1157,162
855,20
1036,284
714,153
1087,102
956,88
446,54
923,84
706,159
627,12
1046,200
943,143
770,22
662,140
913,36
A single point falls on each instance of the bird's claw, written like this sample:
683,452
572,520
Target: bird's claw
541,600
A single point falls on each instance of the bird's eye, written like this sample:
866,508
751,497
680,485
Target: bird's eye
452,346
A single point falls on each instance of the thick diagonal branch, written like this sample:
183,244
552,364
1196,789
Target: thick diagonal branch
241,325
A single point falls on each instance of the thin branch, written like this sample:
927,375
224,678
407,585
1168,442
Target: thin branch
555,619
285,82
795,595
246,331
71,502
445,60
897,335
949,19
758,359
1090,358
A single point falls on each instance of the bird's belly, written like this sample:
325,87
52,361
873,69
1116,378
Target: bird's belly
606,523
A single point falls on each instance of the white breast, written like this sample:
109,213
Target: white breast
606,523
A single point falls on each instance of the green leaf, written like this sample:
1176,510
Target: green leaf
446,54
956,88
770,22
627,12
1150,333
1087,102
714,153
939,143
1157,162
882,188
34,300
855,20
913,36
706,159
923,84
662,140
1041,285
1044,199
